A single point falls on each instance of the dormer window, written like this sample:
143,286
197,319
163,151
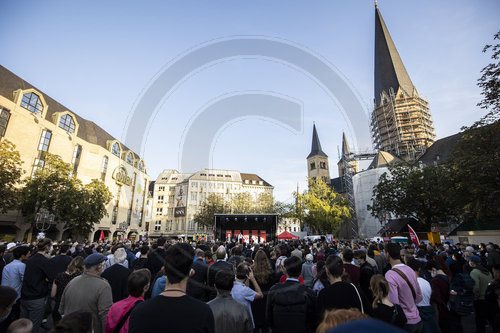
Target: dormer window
32,102
130,159
67,123
115,149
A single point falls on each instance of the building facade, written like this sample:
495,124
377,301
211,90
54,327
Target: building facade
401,121
177,198
38,124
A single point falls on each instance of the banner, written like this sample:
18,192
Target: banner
262,236
245,236
255,236
228,235
413,235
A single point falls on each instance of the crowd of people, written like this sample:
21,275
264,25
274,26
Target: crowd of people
285,286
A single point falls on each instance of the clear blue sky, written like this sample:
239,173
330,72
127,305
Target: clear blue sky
96,57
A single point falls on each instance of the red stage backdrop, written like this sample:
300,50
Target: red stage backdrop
262,236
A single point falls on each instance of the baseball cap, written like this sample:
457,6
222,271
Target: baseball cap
10,246
94,259
475,259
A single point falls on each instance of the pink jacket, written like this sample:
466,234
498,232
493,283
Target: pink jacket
400,293
117,311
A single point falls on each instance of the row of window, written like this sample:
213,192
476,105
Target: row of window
169,226
32,102
116,150
322,165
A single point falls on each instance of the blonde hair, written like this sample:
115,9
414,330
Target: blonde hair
380,288
334,318
76,266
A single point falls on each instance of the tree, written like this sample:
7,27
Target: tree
264,204
73,204
425,194
242,203
10,175
213,204
476,172
489,82
323,209
90,208
51,188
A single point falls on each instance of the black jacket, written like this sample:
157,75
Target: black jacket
365,275
230,316
291,307
197,284
36,277
212,270
117,276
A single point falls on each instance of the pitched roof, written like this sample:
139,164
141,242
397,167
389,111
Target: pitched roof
87,130
384,159
400,225
252,176
389,69
316,145
440,151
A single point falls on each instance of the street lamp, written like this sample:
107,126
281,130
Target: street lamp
43,220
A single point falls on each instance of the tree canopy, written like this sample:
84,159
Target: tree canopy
241,203
425,194
489,82
10,175
321,208
53,188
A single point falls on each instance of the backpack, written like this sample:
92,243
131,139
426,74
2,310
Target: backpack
462,295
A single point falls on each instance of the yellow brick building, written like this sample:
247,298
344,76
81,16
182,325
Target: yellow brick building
36,124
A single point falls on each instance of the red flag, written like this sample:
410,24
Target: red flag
413,235
102,235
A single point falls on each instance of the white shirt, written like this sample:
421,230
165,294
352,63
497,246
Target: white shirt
426,289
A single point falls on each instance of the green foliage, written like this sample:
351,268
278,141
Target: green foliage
489,82
476,172
426,194
321,208
53,188
10,175
91,202
241,203
213,204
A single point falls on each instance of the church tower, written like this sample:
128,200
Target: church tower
317,161
401,121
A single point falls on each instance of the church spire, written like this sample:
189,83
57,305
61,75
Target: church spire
316,145
389,69
345,145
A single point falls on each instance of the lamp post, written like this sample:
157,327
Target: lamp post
43,220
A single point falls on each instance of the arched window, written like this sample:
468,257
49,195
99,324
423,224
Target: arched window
32,102
141,166
130,160
67,123
115,149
